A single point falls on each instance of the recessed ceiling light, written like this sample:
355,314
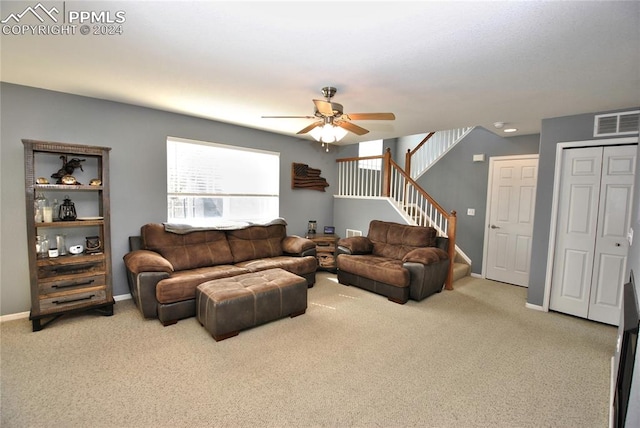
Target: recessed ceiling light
510,130
498,124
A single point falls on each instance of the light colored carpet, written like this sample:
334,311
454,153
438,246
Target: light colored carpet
472,357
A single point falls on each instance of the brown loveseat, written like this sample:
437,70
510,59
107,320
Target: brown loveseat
395,260
167,263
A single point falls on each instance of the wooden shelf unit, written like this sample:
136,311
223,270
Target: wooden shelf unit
68,283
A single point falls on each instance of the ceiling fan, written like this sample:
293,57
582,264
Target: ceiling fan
332,114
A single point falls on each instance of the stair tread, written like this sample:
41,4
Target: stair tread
460,270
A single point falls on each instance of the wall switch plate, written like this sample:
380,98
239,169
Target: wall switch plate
478,158
471,211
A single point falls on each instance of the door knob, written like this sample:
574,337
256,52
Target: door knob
493,226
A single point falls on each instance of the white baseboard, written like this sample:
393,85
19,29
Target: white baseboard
22,315
12,317
476,275
535,307
122,297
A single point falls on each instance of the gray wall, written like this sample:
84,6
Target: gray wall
458,183
554,131
137,137
352,213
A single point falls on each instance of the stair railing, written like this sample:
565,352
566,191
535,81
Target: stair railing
432,148
380,176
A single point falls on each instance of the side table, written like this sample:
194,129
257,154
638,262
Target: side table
327,245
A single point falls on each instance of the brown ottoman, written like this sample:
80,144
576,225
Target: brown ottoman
227,305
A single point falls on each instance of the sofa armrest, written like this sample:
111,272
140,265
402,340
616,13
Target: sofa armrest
355,245
139,261
442,242
298,246
425,255
143,291
144,270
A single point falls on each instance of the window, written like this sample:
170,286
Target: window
370,148
214,184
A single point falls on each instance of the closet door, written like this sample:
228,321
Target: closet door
576,230
593,219
611,246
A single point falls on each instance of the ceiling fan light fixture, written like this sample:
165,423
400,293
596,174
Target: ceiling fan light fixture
328,133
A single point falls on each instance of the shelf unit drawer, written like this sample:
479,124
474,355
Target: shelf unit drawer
71,283
64,301
70,265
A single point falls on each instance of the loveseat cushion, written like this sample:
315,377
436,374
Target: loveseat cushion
256,242
182,285
393,240
357,244
188,250
426,255
382,269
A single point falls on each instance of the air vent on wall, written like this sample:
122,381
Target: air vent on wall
624,123
353,232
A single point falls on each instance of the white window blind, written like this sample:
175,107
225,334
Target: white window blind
210,184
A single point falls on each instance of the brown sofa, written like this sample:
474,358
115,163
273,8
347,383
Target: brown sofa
395,260
167,263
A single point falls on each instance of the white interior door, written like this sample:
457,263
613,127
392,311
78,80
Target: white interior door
593,218
510,219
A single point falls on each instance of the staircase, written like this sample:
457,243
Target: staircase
431,149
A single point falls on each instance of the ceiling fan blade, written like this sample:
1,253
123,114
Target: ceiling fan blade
324,107
351,127
310,127
371,116
288,117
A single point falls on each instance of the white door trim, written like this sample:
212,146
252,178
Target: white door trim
492,160
554,204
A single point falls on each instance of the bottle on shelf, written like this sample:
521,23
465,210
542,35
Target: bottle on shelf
42,208
42,246
55,208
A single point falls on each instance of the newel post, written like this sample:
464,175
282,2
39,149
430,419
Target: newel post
407,162
386,173
451,233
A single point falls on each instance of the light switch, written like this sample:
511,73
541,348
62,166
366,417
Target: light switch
471,211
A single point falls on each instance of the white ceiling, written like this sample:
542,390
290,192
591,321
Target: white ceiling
436,65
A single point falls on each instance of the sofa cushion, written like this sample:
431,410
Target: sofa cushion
256,242
297,265
182,285
395,240
382,269
189,250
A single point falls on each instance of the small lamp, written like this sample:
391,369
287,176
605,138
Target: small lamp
311,227
67,210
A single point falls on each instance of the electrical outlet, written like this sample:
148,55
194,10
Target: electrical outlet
471,211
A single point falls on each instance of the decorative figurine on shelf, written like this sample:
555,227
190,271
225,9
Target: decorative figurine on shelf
64,174
93,244
67,210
